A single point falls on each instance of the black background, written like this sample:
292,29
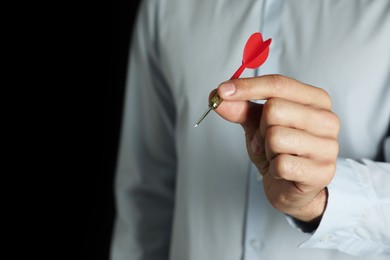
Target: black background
66,68
110,44
107,46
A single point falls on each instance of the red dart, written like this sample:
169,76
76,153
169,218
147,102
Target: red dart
255,54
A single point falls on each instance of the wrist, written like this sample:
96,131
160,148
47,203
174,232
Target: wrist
311,214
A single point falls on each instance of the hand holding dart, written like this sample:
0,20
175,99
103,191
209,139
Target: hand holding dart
255,54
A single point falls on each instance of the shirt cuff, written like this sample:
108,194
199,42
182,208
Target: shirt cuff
347,204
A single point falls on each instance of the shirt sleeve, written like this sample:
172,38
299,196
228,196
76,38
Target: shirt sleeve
146,168
357,218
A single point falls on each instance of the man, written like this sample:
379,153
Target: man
302,177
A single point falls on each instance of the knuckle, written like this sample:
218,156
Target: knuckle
329,169
334,149
245,86
335,122
276,82
326,98
273,137
330,150
289,168
331,122
271,111
283,167
280,167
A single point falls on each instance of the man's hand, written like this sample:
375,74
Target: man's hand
292,139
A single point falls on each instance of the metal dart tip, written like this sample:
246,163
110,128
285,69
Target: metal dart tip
213,104
203,116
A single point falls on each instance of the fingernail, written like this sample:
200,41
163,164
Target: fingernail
255,145
227,89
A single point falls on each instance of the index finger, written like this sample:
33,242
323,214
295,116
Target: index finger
271,86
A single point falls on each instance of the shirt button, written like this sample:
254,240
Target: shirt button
255,243
259,177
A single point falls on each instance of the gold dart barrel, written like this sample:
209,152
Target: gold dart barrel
213,104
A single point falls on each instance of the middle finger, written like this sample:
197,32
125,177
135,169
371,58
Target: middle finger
284,140
316,121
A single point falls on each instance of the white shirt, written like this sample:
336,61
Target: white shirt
191,193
